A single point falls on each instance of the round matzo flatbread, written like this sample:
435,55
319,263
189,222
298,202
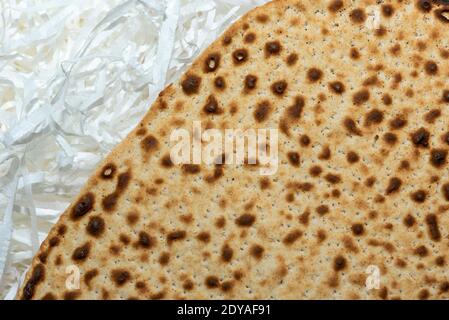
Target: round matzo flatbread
359,92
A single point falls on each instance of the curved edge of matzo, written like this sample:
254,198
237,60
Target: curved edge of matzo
149,116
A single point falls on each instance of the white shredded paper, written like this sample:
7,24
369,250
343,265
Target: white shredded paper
75,77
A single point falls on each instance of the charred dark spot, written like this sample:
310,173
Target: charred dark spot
62,229
360,97
150,143
250,37
322,210
357,229
445,190
432,115
421,251
188,285
333,178
395,51
440,261
304,140
89,276
191,168
354,54
371,81
71,295
250,82
390,138
336,193
431,68
36,277
387,10
321,235
176,236
335,5
124,239
54,241
203,237
218,173
245,220
95,227
81,253
438,157
351,127
262,18
305,187
262,111
291,237
294,159
279,87
352,157
220,83
398,123
386,99
409,221
383,293
164,258
141,286
272,48
226,253
337,87
110,201
444,287
166,161
419,196
158,295
397,77
240,56
120,276
145,240
445,138
315,171
432,227
108,171
43,257
83,206
295,110
227,40
212,62
49,296
220,222
325,153
381,31
212,282
191,84
424,5
123,181
314,74
420,138
211,106
292,59
304,218
114,250
445,96
264,183
227,286
339,263
257,251
394,185
357,16
375,116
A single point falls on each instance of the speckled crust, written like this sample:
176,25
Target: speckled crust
362,180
